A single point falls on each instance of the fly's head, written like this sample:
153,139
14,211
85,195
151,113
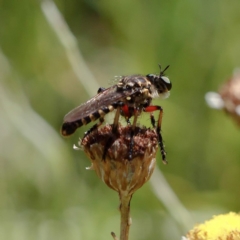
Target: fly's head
160,84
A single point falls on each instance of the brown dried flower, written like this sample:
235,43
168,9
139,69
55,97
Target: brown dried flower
230,94
228,97
122,175
116,170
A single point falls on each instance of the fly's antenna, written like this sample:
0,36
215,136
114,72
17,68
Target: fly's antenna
162,72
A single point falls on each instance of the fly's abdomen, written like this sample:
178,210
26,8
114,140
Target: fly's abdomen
69,127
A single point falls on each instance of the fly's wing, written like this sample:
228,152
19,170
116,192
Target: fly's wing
101,100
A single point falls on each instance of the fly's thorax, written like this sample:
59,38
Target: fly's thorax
136,90
133,82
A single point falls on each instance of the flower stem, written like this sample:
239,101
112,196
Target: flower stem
114,236
125,215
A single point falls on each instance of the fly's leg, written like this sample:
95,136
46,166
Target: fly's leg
160,140
116,118
94,127
158,128
101,119
127,112
128,121
131,144
100,115
115,133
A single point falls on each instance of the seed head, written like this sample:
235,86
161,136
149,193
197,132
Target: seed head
228,97
116,170
230,94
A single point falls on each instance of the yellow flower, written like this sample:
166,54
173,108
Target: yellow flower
221,227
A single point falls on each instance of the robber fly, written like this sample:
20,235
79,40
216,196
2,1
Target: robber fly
131,96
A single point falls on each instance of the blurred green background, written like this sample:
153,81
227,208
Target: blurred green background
48,67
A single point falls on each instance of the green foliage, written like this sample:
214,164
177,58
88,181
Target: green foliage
46,193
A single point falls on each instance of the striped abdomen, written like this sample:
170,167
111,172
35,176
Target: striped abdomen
69,127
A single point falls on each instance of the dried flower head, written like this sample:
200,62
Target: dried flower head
228,97
230,94
116,170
